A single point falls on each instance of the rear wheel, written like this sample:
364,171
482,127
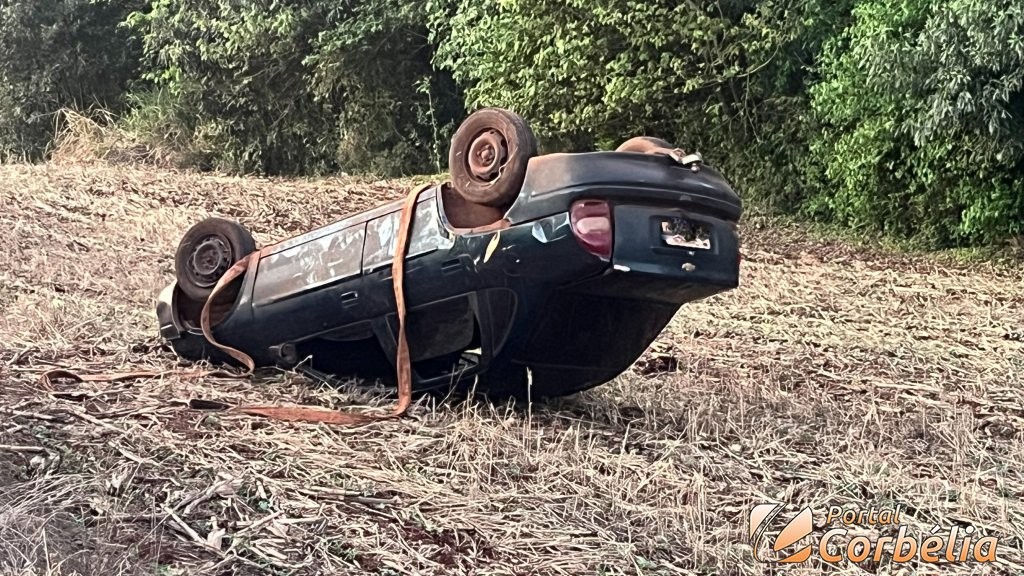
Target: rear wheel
489,155
206,252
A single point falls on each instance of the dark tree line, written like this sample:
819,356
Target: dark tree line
895,117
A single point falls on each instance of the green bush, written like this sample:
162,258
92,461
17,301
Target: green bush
58,54
399,112
727,78
235,85
296,86
921,110
901,118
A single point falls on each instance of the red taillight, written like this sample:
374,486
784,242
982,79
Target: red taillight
592,226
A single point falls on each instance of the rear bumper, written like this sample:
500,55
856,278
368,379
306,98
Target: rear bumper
640,247
555,181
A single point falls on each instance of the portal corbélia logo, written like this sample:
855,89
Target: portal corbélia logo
799,527
792,538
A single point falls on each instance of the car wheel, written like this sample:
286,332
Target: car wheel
488,156
206,252
644,145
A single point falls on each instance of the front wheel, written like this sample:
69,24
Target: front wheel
206,252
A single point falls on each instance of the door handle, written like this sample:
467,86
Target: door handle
349,298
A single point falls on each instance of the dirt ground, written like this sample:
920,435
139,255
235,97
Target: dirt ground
834,376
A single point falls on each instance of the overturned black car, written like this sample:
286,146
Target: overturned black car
524,274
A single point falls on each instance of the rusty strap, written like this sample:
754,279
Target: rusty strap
288,413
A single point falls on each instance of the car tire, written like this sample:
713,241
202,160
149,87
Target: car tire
489,155
206,252
644,145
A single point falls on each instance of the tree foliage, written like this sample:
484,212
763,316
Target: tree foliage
922,109
902,117
398,110
726,77
58,54
236,76
298,86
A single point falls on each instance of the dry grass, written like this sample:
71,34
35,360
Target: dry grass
833,376
97,138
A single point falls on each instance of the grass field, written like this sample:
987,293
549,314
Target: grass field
834,376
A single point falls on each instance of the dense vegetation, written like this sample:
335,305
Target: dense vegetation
895,116
56,54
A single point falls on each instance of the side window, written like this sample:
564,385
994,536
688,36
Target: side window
319,261
382,235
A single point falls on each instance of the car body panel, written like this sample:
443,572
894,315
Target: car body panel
344,250
640,246
554,181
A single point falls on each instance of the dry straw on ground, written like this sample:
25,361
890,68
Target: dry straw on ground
832,376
